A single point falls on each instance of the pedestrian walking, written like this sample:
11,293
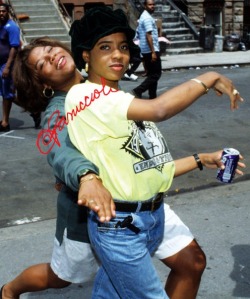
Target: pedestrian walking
9,44
150,50
134,62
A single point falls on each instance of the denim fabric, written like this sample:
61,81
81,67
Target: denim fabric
6,86
127,267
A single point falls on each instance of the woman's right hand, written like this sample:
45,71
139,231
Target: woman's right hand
96,197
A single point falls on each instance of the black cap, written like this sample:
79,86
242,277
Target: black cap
98,22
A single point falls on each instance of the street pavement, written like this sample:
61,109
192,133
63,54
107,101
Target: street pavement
217,214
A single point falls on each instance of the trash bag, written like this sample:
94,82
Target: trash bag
231,42
242,46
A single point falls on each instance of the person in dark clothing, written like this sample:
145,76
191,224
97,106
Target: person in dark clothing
149,45
9,44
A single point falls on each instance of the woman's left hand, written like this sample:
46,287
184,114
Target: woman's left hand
213,160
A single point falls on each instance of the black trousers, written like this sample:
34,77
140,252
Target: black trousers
154,71
134,63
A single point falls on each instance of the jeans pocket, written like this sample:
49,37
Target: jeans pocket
113,225
110,226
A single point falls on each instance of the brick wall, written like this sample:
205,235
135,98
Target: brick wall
232,14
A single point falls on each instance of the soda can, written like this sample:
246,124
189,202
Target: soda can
230,158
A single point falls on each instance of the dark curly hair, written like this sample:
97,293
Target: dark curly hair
29,86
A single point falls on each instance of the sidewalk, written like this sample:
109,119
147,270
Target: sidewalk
218,217
204,60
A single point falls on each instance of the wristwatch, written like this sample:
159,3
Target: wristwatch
83,173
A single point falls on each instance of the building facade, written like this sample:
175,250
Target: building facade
227,16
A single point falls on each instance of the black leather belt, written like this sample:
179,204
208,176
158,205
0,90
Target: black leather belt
152,205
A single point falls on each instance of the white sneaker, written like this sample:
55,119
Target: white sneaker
126,76
133,77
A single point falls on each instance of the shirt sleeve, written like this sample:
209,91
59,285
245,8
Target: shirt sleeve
148,24
67,162
14,35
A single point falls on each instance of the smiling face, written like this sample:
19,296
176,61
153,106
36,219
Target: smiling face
108,59
53,65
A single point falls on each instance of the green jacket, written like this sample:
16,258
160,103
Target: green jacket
67,163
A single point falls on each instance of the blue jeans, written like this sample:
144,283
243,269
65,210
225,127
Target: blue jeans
127,270
6,86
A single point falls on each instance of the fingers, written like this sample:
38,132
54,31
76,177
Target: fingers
92,205
113,209
235,98
103,206
97,207
241,165
91,201
234,95
104,209
213,160
97,198
225,86
235,92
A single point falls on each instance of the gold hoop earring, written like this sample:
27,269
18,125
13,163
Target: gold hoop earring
86,67
48,92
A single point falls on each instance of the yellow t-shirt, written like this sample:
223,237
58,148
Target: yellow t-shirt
133,158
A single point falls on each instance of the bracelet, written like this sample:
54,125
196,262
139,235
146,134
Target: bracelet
198,161
203,84
90,178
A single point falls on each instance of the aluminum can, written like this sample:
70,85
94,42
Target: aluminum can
230,158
